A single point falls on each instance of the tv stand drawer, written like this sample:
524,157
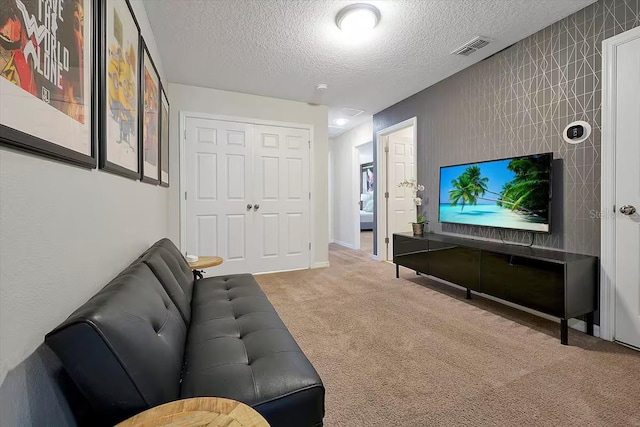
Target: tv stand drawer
535,284
456,264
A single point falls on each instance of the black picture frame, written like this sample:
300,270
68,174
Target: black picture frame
165,133
141,109
23,141
103,108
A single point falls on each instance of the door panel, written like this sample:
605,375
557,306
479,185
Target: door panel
236,242
270,179
207,176
294,182
236,177
219,167
627,129
282,193
207,234
295,225
270,231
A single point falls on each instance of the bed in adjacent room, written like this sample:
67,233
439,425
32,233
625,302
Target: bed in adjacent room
366,211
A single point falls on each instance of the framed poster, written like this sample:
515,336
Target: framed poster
366,178
120,47
46,78
150,109
164,140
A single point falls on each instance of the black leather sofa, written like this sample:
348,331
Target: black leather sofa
154,335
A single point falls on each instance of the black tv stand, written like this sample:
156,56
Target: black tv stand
560,284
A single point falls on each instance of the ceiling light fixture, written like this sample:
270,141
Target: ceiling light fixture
340,122
358,18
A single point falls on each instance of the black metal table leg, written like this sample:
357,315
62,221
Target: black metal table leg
564,332
397,271
197,274
468,293
590,323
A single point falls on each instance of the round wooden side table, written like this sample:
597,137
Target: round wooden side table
198,412
202,263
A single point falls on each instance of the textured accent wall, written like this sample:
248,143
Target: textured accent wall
518,102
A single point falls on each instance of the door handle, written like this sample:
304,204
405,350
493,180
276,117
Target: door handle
256,207
628,210
249,206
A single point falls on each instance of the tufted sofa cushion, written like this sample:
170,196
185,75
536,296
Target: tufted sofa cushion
238,347
124,347
165,266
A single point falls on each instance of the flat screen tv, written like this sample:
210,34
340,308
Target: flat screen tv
513,193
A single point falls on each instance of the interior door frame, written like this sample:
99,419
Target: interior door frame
182,150
355,154
608,183
381,184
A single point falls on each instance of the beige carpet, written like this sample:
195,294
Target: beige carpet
366,241
411,352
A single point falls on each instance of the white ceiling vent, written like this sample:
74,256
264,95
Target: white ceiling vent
470,47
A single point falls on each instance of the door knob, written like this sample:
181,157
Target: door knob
627,210
256,207
249,206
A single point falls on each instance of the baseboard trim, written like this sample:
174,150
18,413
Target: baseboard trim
345,244
322,264
577,324
581,326
278,271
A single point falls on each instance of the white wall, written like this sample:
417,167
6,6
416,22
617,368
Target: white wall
64,233
212,101
345,179
365,153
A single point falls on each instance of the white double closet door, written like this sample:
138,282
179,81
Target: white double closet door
247,197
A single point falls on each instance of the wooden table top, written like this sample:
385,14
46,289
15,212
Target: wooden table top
198,412
205,262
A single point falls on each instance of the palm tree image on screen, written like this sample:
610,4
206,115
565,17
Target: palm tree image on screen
512,193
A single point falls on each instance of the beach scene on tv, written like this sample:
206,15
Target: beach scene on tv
510,193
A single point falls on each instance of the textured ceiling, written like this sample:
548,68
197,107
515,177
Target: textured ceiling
284,48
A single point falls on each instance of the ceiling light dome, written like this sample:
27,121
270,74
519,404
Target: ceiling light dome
358,18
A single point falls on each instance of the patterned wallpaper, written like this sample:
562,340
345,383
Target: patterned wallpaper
518,102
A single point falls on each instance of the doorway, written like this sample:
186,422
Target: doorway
365,182
620,272
396,151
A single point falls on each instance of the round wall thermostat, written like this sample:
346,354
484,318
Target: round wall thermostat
576,132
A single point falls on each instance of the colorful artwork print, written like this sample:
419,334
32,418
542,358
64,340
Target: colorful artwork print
370,180
164,141
42,51
367,179
150,131
122,86
46,69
